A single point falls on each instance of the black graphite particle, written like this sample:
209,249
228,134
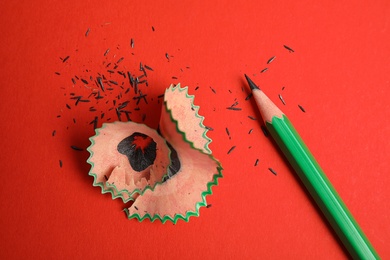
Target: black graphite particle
227,132
271,59
148,68
231,149
76,148
281,99
66,58
234,108
273,171
288,48
94,122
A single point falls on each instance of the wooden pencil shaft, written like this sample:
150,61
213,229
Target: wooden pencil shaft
313,177
320,188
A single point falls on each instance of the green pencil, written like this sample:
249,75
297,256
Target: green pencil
313,177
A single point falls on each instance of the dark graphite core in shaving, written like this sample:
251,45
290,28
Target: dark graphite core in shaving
175,165
140,150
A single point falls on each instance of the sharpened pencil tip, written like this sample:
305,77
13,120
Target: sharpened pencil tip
251,84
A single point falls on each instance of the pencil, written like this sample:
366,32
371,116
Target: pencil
312,176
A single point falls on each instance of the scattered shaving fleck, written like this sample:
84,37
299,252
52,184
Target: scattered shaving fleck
273,171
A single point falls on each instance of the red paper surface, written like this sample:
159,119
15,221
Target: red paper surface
339,73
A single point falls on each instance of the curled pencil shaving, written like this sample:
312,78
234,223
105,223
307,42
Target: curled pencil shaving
166,173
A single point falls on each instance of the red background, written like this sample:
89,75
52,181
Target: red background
339,73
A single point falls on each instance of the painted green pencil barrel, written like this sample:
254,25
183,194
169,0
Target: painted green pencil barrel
320,188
